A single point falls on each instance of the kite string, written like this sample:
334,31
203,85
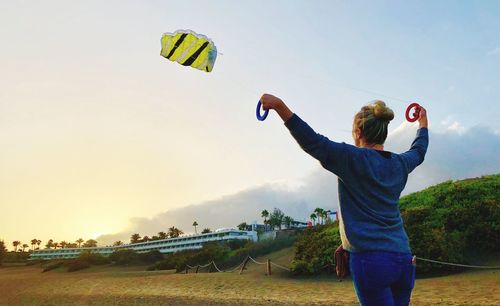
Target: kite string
337,84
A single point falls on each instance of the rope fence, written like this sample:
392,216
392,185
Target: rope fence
269,263
280,266
457,265
240,267
259,263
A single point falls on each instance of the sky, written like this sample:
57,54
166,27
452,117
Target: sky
102,137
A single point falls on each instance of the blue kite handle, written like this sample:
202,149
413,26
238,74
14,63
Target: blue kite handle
257,112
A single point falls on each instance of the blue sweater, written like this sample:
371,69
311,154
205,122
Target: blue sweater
369,184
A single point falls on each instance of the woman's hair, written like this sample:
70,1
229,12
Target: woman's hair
372,120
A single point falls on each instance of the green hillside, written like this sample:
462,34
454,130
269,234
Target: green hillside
456,221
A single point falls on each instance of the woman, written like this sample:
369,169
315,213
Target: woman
370,181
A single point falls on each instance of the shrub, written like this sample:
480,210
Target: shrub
124,257
152,268
150,257
77,265
128,257
93,258
52,265
314,251
236,244
16,257
35,262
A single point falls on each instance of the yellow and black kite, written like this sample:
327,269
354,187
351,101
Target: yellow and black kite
189,49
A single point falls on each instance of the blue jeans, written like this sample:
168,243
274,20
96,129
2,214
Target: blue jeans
382,278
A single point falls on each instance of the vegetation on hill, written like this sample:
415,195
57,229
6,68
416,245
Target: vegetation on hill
131,257
314,250
15,257
83,261
452,221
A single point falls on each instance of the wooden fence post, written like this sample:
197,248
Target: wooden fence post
269,272
197,267
244,264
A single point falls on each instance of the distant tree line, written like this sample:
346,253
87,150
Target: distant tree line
277,219
172,232
18,246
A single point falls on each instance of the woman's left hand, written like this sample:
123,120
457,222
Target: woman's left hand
271,102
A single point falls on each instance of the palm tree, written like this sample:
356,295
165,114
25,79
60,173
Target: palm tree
49,244
24,246
38,242
287,221
91,243
135,238
178,232
206,231
15,244
319,214
55,245
174,232
33,242
3,251
118,243
242,226
325,216
63,244
162,235
264,215
145,239
195,224
171,232
313,217
79,241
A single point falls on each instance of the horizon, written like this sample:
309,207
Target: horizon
101,136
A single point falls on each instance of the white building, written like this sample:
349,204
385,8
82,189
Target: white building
169,245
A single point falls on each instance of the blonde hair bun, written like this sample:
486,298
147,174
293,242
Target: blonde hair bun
381,111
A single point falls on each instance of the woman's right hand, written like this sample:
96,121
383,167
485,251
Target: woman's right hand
422,118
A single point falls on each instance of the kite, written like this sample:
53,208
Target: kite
189,49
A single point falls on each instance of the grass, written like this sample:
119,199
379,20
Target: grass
107,285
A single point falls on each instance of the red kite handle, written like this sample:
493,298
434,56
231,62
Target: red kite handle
416,113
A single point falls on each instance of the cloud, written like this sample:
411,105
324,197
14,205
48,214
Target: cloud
319,189
451,155
455,153
452,126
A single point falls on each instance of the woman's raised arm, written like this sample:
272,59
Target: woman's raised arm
332,155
